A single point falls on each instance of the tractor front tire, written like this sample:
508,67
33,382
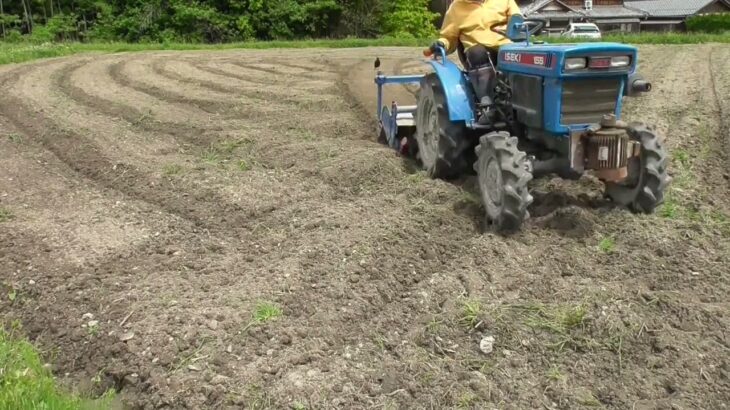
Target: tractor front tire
443,147
643,189
503,175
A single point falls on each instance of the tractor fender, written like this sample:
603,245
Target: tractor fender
456,90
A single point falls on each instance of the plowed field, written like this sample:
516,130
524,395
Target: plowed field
153,205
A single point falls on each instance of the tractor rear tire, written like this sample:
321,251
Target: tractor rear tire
503,175
443,146
643,190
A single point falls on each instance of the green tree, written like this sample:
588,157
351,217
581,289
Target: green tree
409,18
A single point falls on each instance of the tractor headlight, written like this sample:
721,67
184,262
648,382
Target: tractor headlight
622,61
576,63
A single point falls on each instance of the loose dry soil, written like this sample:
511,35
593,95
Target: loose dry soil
170,194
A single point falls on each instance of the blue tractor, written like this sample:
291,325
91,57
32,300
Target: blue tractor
551,109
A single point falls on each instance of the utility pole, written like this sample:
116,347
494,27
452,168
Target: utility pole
2,18
28,19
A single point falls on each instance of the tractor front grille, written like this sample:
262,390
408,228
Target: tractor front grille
587,101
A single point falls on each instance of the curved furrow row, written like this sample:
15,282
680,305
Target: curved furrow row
296,85
302,111
86,158
120,140
141,76
94,79
319,70
275,149
188,74
276,70
202,206
194,72
63,81
116,72
292,90
160,68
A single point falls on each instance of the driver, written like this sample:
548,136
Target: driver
470,22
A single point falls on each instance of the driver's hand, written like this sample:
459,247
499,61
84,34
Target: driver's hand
431,50
435,46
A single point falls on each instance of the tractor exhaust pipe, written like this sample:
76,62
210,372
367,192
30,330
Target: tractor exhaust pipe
636,86
641,86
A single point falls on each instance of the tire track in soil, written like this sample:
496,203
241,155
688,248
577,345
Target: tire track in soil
723,119
83,156
355,102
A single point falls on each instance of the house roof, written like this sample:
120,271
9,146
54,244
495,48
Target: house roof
597,12
670,8
613,11
534,6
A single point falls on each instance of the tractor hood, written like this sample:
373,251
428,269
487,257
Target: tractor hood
565,60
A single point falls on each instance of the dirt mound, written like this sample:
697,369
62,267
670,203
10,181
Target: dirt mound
243,241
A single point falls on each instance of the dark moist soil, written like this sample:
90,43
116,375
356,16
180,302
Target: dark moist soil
169,196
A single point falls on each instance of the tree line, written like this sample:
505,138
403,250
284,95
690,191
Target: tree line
212,21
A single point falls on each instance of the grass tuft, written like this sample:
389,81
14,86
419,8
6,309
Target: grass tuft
263,313
415,178
266,311
556,375
172,169
225,150
471,310
257,398
670,209
5,215
470,198
607,245
27,384
681,157
589,400
557,319
466,400
211,156
244,166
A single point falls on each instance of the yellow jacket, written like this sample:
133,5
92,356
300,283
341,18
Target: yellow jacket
470,22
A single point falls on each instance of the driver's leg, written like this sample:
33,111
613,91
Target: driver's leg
477,56
481,73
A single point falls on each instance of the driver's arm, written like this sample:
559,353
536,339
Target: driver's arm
449,35
512,9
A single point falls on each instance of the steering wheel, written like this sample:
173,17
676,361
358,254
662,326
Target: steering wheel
538,24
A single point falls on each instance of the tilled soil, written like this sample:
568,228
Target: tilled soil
170,194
